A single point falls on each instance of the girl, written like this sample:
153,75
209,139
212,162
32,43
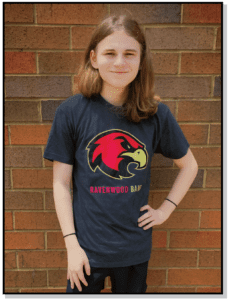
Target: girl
104,139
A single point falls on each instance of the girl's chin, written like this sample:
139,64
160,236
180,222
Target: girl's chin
116,85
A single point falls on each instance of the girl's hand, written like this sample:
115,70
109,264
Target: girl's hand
77,259
153,217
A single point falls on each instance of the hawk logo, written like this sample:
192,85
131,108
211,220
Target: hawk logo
112,151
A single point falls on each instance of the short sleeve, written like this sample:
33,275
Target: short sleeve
60,145
172,142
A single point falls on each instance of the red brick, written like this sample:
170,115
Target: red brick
7,179
24,240
10,260
208,290
159,161
201,63
163,178
204,199
165,63
209,258
60,62
6,138
210,219
217,86
194,277
23,157
36,37
57,277
38,86
49,200
29,134
181,219
156,277
215,134
22,111
213,178
159,239
18,13
149,13
42,259
207,157
36,220
25,278
15,291
172,290
23,200
195,134
206,111
195,239
180,38
81,36
20,62
193,199
8,222
47,163
183,87
44,290
70,13
32,178
55,240
202,13
218,42
173,258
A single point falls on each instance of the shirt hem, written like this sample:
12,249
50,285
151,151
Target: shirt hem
52,156
119,264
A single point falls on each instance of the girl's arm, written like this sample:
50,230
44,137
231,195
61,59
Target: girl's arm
62,174
188,171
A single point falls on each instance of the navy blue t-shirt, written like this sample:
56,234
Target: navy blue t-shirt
111,160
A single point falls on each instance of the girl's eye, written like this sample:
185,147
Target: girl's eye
114,54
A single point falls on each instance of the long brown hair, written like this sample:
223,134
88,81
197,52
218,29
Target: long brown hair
141,102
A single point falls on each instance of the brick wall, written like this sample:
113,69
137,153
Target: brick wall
44,45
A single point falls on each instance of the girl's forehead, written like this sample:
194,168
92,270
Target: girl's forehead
118,39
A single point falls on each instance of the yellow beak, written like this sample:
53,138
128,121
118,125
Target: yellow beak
138,156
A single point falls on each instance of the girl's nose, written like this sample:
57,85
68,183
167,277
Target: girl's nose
119,60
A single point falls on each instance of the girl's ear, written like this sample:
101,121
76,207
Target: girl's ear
93,59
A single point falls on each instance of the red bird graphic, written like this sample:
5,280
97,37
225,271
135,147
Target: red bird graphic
113,150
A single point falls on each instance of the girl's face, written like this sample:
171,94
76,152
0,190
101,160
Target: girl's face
117,58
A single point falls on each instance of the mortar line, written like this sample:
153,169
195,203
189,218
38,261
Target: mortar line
179,63
70,38
181,13
209,133
215,38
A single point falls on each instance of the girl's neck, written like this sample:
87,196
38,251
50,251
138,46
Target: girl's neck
115,96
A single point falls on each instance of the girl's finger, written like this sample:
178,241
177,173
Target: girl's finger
77,282
87,268
145,216
146,221
150,225
145,207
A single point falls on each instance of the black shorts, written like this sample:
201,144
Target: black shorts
124,280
